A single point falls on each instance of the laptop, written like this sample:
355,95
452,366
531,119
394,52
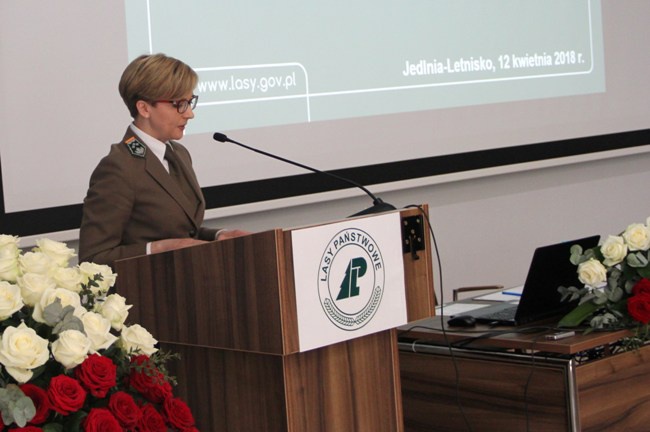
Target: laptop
540,299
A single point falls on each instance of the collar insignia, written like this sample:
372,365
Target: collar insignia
136,148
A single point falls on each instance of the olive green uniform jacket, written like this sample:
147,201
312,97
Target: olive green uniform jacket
132,200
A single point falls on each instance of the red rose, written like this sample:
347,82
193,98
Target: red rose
27,429
41,402
177,413
147,380
101,420
97,374
642,286
66,394
151,420
125,410
638,306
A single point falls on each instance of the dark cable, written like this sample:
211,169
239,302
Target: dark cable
442,325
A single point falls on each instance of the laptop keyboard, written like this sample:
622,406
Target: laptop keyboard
507,314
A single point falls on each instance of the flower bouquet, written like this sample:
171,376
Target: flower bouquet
68,361
616,278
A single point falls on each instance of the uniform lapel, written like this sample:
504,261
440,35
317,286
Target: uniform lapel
188,173
157,171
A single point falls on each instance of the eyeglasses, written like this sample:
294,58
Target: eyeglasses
182,105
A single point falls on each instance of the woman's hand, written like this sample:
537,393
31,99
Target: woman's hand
228,234
173,243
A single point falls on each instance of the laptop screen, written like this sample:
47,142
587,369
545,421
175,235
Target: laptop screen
549,269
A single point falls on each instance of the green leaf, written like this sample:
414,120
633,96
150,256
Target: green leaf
571,293
644,271
576,254
614,294
51,427
24,410
15,406
603,321
637,260
68,322
578,315
600,297
53,312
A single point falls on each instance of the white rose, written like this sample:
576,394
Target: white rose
592,272
33,285
89,270
67,297
10,300
114,309
22,350
9,254
137,339
637,237
71,348
614,250
59,252
9,269
36,262
98,330
9,241
68,278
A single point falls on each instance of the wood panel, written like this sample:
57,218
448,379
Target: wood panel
288,298
614,392
232,390
492,394
221,294
350,386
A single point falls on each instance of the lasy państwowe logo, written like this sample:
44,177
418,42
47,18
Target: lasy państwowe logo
351,279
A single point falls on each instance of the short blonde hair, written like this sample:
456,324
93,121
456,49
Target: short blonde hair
152,77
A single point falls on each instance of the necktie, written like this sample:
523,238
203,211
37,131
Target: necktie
176,172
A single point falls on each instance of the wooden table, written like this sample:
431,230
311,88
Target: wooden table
499,379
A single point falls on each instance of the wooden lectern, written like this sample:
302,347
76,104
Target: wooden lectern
229,308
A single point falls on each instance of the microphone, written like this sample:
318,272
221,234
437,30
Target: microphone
378,205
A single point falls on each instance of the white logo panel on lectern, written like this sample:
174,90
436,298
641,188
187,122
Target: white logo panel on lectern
349,279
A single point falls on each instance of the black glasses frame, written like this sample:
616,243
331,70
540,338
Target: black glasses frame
182,105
